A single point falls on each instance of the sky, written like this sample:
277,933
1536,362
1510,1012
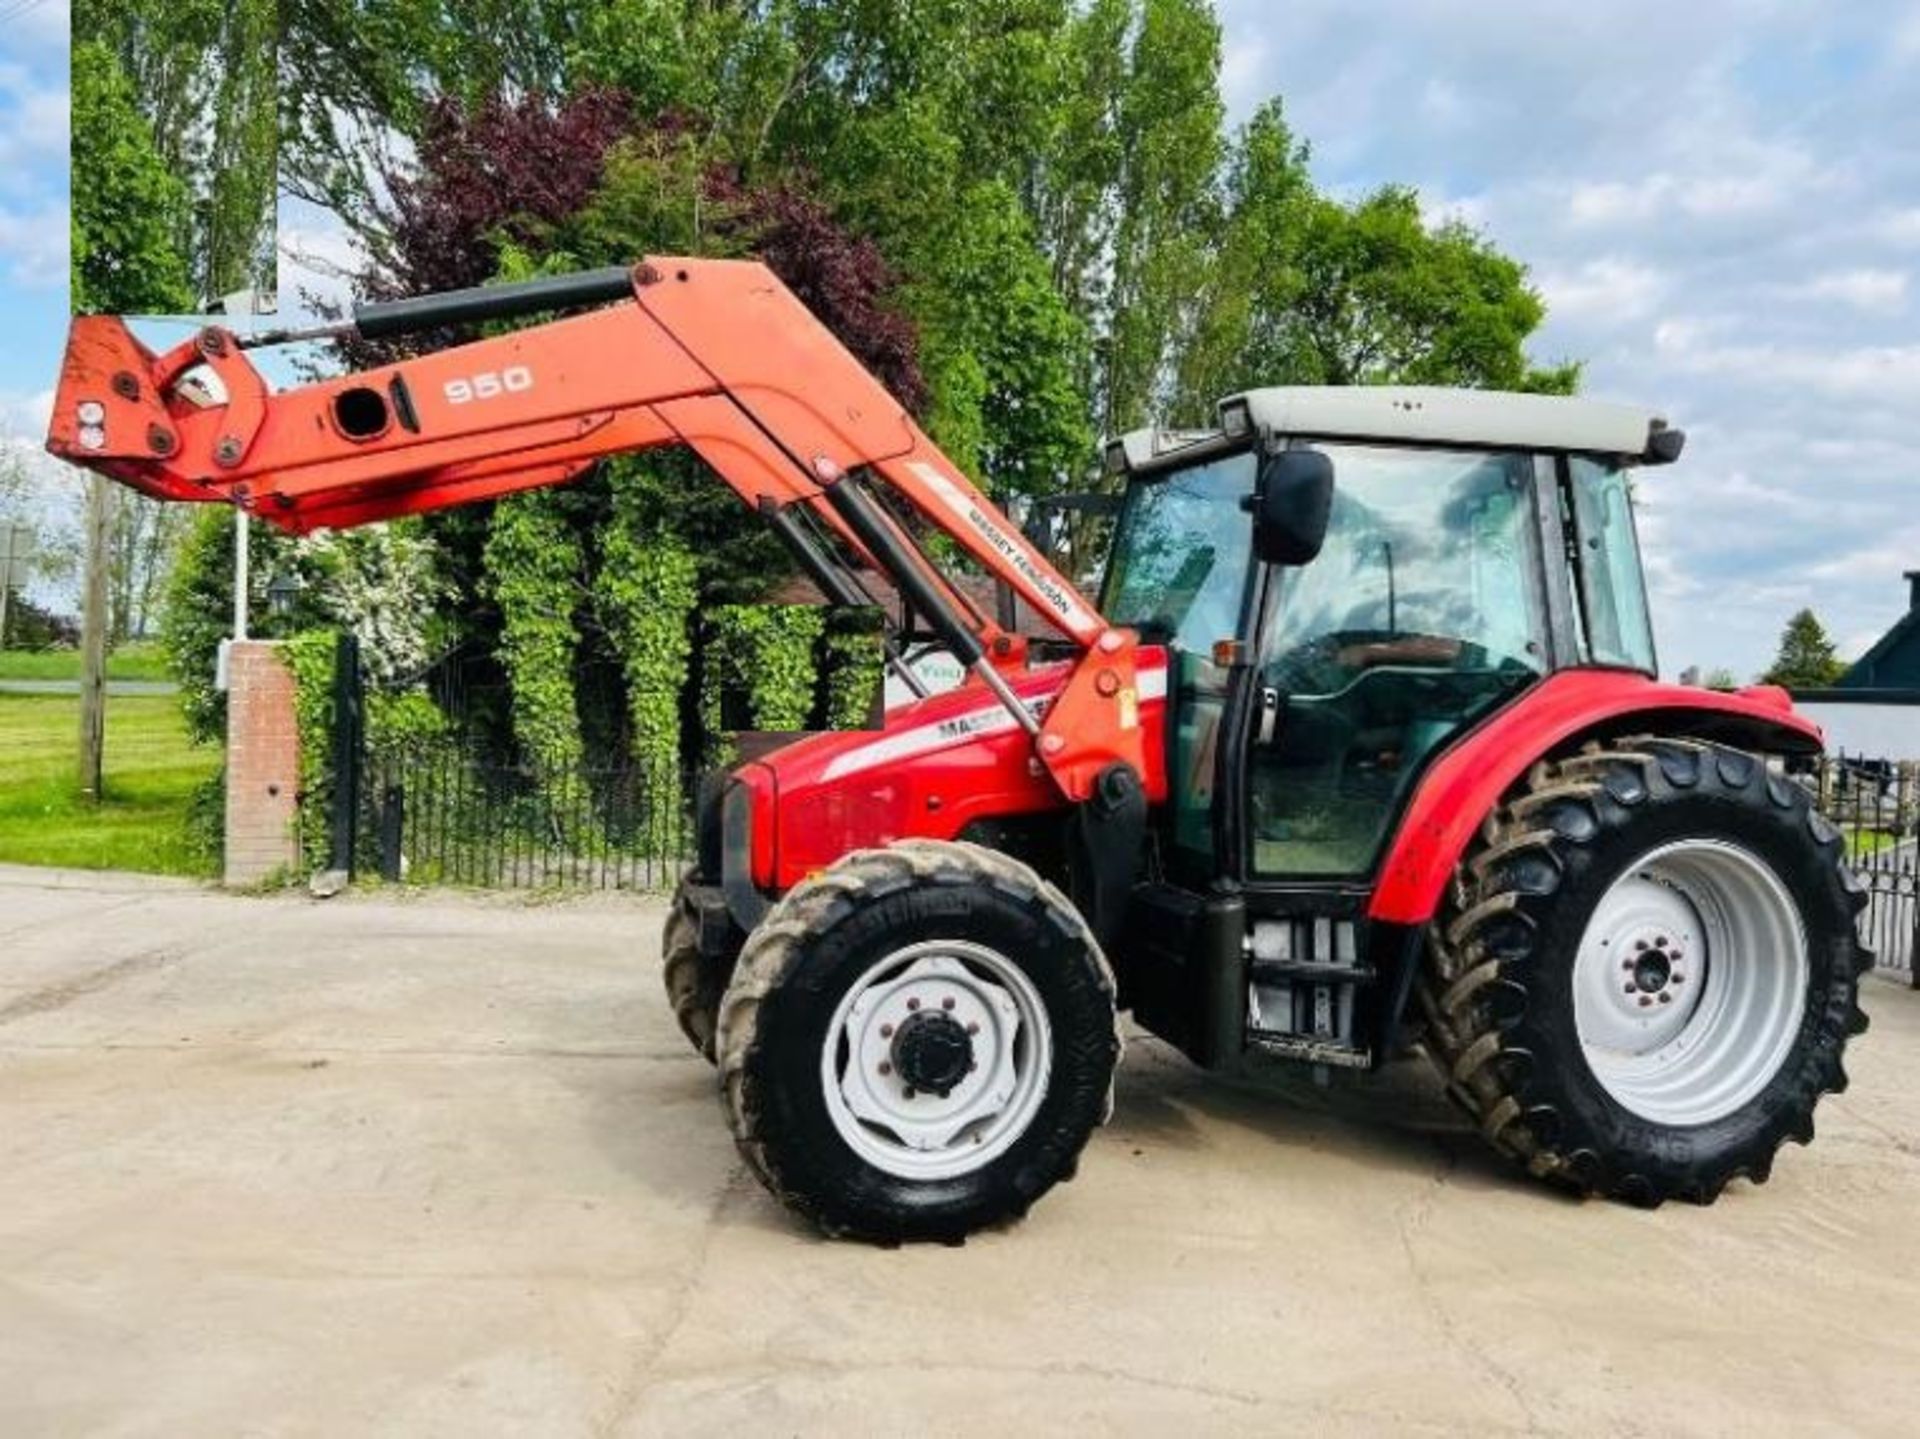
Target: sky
1720,202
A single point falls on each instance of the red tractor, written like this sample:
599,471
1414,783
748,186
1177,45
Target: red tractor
1361,748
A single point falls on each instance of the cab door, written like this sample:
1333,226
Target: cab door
1425,610
1182,573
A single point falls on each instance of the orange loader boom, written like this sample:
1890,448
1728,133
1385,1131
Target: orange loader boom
716,355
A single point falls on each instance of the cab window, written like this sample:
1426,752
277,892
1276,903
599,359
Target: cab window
1421,614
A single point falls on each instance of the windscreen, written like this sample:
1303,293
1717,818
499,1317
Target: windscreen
1180,555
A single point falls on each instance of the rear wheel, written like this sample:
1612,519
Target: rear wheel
918,1042
694,980
1647,970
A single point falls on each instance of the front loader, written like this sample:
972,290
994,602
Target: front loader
1361,748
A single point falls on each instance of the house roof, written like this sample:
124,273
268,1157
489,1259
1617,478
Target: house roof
1894,661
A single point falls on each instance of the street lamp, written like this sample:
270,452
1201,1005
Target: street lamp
282,590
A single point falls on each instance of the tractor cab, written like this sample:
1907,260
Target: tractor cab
1327,642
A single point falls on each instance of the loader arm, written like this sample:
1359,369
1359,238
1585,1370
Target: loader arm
716,355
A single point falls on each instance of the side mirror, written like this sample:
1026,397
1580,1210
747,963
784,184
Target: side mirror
1290,507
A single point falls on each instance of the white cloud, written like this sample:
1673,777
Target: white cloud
1604,291
1864,289
1438,210
1897,227
24,416
1889,373
1906,40
1443,103
33,119
317,255
1773,181
1724,224
42,27
1242,59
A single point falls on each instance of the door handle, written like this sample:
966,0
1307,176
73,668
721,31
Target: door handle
1269,721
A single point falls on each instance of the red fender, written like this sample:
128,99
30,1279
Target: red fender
1467,781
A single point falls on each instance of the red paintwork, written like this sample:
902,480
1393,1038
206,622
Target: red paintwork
1468,780
820,797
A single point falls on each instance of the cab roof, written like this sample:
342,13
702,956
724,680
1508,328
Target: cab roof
1431,415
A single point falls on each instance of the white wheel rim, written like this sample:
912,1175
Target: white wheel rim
944,987
1691,982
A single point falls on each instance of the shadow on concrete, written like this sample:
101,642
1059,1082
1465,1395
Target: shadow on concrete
1398,1118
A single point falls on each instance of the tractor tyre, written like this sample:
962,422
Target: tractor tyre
917,1043
694,981
1646,970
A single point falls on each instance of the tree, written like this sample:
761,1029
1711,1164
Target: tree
201,75
1305,289
146,536
127,208
1168,125
1807,658
611,570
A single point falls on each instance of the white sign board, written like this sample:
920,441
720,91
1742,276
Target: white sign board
938,670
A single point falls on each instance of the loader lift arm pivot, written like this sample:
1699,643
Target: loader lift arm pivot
716,355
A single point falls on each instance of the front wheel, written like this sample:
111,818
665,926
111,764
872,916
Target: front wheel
694,979
918,1042
1647,971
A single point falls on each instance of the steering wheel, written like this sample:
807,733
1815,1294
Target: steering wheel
1367,649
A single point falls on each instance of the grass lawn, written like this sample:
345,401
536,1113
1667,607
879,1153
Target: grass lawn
138,660
151,773
1864,844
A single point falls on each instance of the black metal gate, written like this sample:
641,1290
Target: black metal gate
442,815
444,812
1876,804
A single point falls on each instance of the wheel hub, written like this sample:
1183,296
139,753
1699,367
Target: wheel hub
1690,981
932,1052
1653,971
937,1059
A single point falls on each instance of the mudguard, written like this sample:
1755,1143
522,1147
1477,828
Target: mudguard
1465,783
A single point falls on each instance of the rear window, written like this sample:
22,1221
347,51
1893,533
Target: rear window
1613,589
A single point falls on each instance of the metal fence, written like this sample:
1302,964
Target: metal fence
1876,804
440,815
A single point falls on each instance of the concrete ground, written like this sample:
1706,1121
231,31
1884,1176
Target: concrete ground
425,1164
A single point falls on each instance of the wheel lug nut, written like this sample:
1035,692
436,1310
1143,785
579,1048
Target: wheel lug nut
1679,978
1645,1000
913,1004
1629,988
973,1029
947,1003
885,1068
1639,944
1665,998
886,1031
910,1094
1626,964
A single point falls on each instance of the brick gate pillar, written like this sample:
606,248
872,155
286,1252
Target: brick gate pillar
263,764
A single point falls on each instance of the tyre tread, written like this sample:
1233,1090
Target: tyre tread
1469,1039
